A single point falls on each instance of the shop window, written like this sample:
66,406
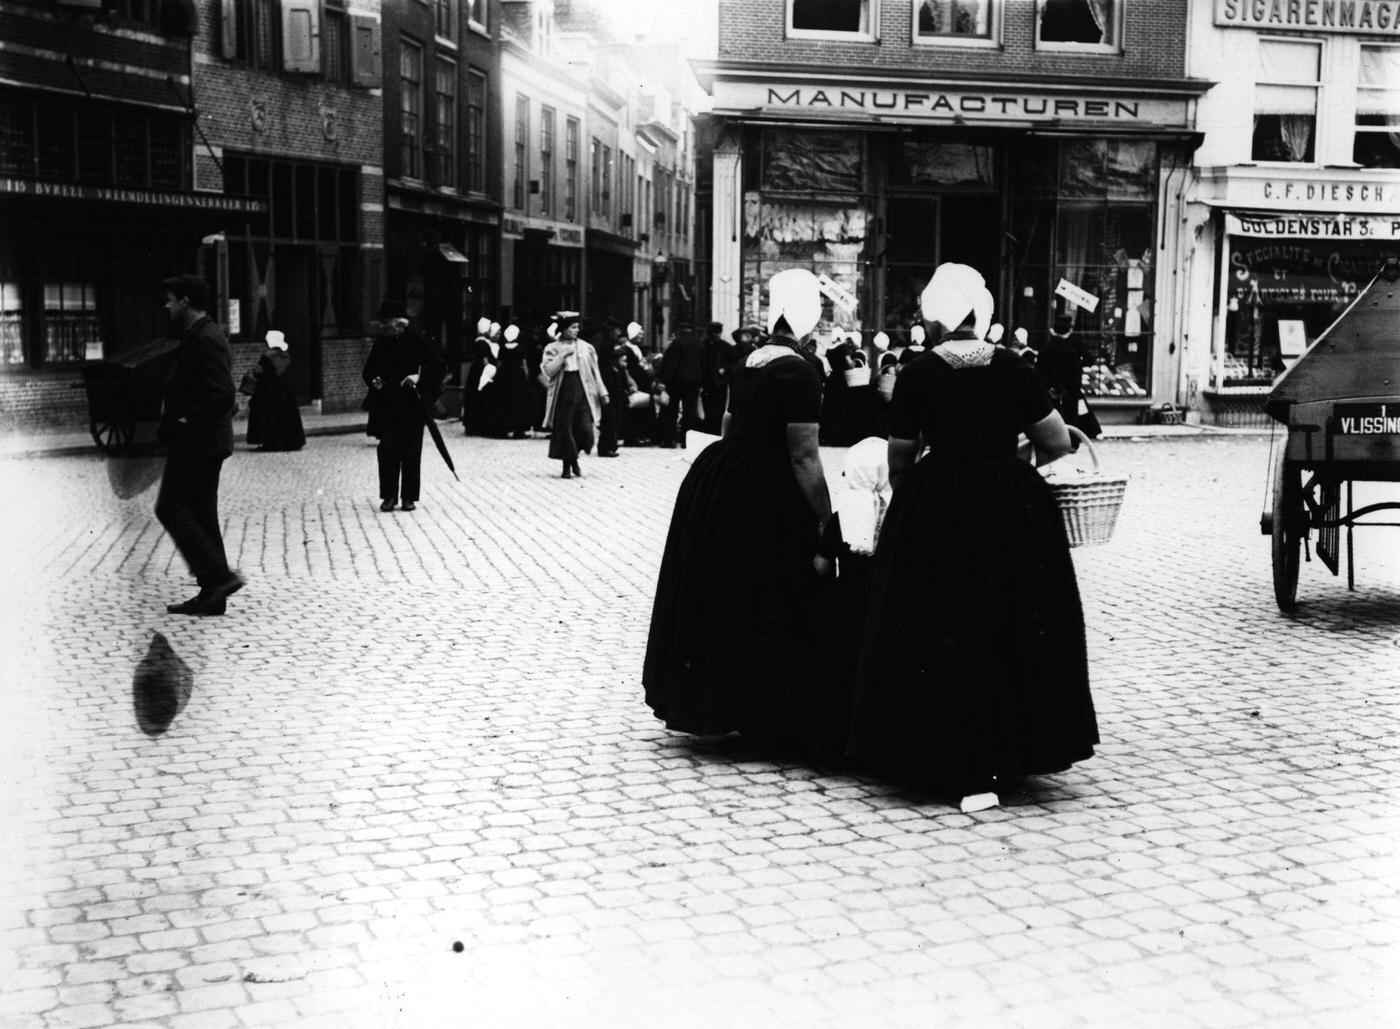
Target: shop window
72,332
952,21
476,132
1285,100
1377,140
829,19
445,125
827,162
410,109
944,165
1080,24
11,323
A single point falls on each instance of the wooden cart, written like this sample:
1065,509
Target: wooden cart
1341,403
126,390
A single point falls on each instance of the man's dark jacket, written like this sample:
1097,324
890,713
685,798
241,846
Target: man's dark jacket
392,358
200,391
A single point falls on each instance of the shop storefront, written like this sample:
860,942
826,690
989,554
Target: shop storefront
546,260
609,260
1059,198
1296,249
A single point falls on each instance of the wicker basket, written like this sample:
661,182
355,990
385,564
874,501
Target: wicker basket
1089,501
858,374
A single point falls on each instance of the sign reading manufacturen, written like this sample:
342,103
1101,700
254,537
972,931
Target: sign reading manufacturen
143,197
845,101
1303,226
1379,17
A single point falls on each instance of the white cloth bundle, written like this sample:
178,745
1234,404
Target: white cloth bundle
487,374
861,504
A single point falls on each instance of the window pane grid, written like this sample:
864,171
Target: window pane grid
547,161
476,132
411,76
446,128
571,143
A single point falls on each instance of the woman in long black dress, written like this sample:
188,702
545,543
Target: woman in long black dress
510,412
973,670
576,395
274,419
737,581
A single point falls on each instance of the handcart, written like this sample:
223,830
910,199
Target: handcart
1341,404
125,390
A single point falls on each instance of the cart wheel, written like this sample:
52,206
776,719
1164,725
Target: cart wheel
1290,521
114,436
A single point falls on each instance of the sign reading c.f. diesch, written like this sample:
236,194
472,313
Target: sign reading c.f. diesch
845,101
1355,17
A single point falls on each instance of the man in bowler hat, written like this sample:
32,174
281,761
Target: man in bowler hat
404,373
196,427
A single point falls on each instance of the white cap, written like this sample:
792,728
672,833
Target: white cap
276,339
995,333
881,341
867,464
482,325
793,295
954,292
1021,336
511,333
634,329
917,335
552,330
495,328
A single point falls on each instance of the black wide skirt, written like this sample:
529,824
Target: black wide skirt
734,597
973,665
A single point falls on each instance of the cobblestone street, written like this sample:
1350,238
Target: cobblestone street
416,784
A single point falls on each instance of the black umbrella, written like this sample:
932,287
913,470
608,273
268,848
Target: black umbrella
434,431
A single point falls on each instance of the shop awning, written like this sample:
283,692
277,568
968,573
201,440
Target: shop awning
1285,225
451,253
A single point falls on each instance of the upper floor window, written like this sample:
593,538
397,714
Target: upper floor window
445,124
1080,25
476,131
830,19
522,136
1377,140
571,131
477,15
1285,100
954,21
547,161
335,42
411,107
445,19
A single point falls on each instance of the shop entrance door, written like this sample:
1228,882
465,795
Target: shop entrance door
921,232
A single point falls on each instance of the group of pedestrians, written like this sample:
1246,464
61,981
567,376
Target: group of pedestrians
953,656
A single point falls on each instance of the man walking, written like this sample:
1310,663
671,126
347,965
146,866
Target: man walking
196,427
404,374
683,372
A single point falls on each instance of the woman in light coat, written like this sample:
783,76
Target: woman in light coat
574,403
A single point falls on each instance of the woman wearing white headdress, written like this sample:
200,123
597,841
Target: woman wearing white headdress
481,355
737,579
274,419
508,411
973,670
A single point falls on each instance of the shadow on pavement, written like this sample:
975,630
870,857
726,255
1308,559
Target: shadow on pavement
161,687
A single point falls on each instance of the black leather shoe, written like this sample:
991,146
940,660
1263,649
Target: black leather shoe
387,505
200,606
567,474
408,505
577,470
223,590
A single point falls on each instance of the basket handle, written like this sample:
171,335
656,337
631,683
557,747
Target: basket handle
1074,431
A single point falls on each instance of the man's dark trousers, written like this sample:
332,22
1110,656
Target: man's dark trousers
401,447
188,507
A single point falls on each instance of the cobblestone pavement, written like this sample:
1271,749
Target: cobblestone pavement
416,784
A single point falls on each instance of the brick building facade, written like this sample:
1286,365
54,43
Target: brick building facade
1044,143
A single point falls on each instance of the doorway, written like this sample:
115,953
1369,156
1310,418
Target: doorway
295,289
924,230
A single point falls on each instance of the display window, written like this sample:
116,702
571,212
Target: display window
1083,227
1280,294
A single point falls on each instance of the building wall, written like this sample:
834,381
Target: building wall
1154,36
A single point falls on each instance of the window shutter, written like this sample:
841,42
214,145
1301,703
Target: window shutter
228,29
365,58
301,36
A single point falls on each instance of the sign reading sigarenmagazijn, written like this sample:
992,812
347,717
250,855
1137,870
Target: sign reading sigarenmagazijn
1354,17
